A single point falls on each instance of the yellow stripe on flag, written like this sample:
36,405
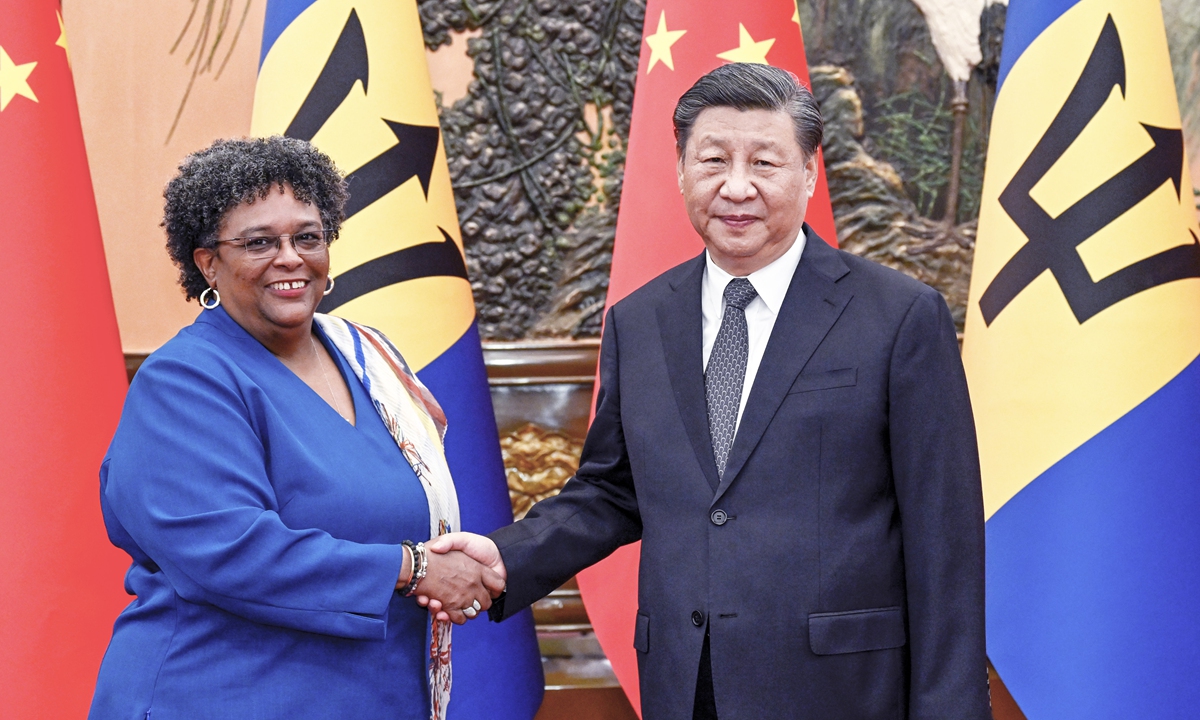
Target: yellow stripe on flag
427,315
1042,382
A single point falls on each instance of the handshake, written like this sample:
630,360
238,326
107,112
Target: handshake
463,574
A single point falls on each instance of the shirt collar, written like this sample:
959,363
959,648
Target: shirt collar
771,282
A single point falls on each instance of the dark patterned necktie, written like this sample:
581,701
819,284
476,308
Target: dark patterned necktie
726,369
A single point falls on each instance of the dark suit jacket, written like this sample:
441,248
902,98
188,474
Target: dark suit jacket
838,565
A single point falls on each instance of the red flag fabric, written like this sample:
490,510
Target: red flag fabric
61,383
682,40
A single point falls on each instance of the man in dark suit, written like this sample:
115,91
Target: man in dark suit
787,430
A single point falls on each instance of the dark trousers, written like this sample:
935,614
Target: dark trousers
706,705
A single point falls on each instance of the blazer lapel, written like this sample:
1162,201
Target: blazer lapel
681,324
812,305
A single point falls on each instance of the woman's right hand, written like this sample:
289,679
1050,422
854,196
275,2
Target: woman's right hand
456,581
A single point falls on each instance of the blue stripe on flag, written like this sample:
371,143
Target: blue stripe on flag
1026,20
280,14
1093,573
497,667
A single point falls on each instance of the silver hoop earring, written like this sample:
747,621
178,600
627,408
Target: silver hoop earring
329,285
204,298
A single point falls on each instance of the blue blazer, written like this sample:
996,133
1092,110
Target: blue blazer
265,536
838,564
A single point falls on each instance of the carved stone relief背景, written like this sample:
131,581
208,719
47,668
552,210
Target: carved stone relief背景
537,463
536,153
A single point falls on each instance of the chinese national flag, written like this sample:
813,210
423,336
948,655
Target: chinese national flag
61,383
682,40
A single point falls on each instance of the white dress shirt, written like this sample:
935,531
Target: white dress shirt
772,284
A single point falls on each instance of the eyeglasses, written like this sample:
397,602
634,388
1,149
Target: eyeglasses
262,247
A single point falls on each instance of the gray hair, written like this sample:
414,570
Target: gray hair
750,86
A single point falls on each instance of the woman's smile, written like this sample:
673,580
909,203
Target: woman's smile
273,298
289,288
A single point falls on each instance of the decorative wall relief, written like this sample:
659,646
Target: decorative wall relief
536,152
538,463
542,398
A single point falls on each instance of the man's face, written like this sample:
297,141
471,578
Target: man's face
746,184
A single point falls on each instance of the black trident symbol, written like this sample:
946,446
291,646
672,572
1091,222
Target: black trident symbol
412,156
1053,241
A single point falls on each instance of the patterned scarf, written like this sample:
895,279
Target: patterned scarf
418,425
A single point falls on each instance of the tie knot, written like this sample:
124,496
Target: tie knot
739,292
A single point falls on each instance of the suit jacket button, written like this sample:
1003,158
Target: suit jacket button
697,618
719,517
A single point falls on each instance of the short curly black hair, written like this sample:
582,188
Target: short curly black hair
213,181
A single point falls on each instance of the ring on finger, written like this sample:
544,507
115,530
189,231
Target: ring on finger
476,606
470,611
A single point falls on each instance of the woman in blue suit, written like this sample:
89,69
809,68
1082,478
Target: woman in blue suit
273,476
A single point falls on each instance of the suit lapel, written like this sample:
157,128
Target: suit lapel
681,324
812,305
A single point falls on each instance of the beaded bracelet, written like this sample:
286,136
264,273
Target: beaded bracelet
420,566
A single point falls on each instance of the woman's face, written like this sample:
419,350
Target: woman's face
275,296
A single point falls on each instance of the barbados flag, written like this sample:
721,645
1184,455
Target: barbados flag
351,76
1082,337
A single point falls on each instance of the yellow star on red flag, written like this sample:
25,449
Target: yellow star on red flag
62,38
748,50
660,43
14,80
